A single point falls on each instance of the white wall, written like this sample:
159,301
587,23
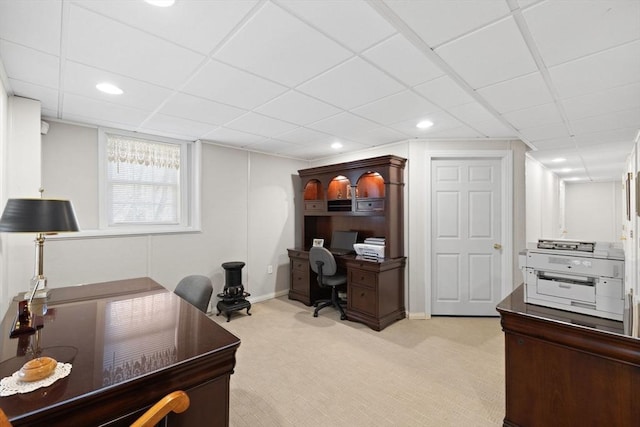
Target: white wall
21,178
593,211
544,203
4,291
248,214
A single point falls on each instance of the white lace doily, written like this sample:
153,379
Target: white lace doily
13,385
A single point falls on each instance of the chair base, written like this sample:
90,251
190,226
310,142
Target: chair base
335,301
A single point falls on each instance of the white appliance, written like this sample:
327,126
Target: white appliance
578,276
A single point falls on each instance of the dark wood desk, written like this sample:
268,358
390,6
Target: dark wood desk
130,342
567,369
375,289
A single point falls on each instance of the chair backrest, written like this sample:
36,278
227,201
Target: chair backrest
322,255
177,401
197,290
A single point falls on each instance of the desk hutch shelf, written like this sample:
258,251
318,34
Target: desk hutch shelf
365,196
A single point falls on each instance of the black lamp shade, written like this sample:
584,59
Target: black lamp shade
38,216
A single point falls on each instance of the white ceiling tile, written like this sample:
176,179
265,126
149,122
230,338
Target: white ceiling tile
470,113
610,121
279,46
28,65
188,129
444,92
260,125
351,84
556,143
30,24
227,85
197,25
97,112
517,94
127,51
82,80
272,146
494,128
345,124
396,108
380,136
606,138
614,67
232,137
48,97
307,136
336,17
597,103
437,21
456,132
602,24
296,107
441,121
403,60
202,110
539,133
490,55
534,116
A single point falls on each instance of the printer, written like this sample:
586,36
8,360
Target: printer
583,277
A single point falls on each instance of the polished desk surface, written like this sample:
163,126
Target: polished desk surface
115,334
514,304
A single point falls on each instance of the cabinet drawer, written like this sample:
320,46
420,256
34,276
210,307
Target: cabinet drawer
313,205
300,281
362,277
299,264
370,205
362,299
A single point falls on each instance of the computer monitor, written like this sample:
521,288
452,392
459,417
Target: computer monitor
342,242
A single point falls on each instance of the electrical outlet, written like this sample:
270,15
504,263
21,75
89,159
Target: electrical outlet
270,269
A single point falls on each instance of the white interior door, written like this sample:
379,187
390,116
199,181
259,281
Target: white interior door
466,247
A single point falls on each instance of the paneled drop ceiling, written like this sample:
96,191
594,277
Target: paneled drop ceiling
291,77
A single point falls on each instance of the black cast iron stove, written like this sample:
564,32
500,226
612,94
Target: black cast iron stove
233,297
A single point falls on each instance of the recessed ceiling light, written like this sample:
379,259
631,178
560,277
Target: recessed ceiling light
573,178
109,88
425,124
559,160
565,170
161,3
336,145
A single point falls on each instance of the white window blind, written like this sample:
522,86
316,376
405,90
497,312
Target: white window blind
143,181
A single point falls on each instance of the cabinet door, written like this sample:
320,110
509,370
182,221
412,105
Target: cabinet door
362,299
551,385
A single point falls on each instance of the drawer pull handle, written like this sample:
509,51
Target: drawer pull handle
362,294
361,277
369,204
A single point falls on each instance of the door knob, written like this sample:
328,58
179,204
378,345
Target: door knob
497,246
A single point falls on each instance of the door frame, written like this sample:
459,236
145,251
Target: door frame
506,162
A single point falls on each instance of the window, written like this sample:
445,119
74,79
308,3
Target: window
148,184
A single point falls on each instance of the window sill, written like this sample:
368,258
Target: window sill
130,232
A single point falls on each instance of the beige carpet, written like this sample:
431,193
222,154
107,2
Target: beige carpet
296,370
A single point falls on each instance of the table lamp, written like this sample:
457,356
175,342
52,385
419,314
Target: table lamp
41,216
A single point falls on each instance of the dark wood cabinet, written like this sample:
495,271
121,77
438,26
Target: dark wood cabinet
366,196
567,369
375,291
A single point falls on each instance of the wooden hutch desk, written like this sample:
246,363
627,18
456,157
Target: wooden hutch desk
366,196
567,369
130,342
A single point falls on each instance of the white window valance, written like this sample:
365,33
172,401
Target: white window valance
122,149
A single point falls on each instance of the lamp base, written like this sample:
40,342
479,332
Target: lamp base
38,288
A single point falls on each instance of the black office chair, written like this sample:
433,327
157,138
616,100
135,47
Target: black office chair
196,290
324,265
